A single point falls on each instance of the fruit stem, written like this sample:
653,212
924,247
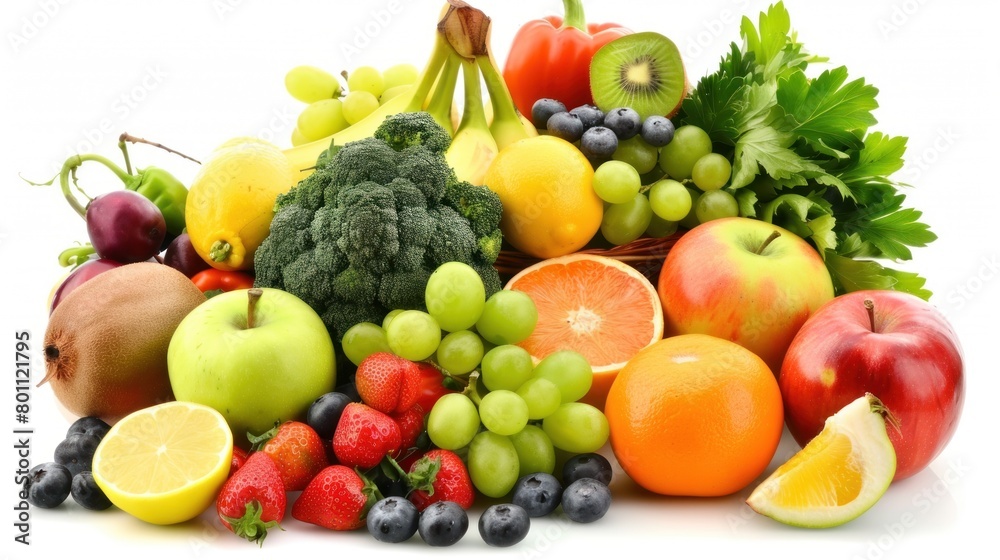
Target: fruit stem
126,137
69,168
219,251
870,306
253,294
774,235
573,15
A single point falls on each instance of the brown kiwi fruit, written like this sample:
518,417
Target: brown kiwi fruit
106,344
643,71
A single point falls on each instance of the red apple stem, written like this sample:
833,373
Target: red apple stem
870,306
774,235
253,294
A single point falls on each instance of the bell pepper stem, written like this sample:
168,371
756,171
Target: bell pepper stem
220,251
69,168
573,15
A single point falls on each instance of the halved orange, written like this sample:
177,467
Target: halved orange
597,306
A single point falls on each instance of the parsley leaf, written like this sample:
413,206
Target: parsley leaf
826,112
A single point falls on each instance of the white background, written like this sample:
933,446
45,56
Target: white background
193,74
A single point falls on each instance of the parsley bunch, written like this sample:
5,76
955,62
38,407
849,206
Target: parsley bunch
804,158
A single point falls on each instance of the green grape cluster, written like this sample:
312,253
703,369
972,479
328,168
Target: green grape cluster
329,109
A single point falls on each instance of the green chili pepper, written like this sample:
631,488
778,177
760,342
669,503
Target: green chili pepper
159,186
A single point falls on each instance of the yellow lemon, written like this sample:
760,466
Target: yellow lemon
231,201
550,208
165,464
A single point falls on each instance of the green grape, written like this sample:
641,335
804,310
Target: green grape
624,223
616,182
691,220
363,340
535,452
679,156
389,93
508,317
400,75
637,153
297,138
569,370
493,464
460,352
713,205
321,119
577,428
413,335
389,317
711,172
660,228
669,200
506,367
366,78
309,84
453,421
503,412
542,396
455,296
358,105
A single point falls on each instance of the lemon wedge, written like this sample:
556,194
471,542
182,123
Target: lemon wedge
165,464
838,475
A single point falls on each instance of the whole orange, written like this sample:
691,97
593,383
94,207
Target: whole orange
694,415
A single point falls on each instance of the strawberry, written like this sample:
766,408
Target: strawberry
297,450
388,383
438,476
337,498
411,425
253,499
364,436
238,460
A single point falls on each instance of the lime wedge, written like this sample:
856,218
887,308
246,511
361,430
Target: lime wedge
838,475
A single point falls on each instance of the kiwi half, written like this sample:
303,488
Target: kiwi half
643,71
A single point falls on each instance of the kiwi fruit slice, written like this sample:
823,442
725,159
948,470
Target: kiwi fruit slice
643,71
106,344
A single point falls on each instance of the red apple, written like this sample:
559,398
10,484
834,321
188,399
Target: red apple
743,280
891,344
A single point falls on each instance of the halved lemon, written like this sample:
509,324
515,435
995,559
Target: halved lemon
838,475
597,306
165,464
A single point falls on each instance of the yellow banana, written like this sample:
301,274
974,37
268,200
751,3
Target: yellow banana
473,148
508,125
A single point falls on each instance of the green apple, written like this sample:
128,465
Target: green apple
257,356
743,280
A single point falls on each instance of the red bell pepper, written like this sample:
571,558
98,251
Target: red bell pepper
551,57
212,281
433,386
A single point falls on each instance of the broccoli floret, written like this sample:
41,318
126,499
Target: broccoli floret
403,130
369,159
478,204
362,234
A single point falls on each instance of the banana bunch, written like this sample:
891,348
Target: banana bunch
461,45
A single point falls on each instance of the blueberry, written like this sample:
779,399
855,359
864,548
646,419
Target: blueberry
587,465
543,109
89,425
76,452
590,116
586,500
565,125
624,122
324,413
504,524
443,523
539,494
657,131
48,485
87,493
598,143
393,520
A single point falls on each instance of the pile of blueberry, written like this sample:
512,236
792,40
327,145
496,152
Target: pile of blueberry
49,484
585,498
597,132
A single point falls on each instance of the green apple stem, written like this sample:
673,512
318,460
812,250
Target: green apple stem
253,294
870,306
774,235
